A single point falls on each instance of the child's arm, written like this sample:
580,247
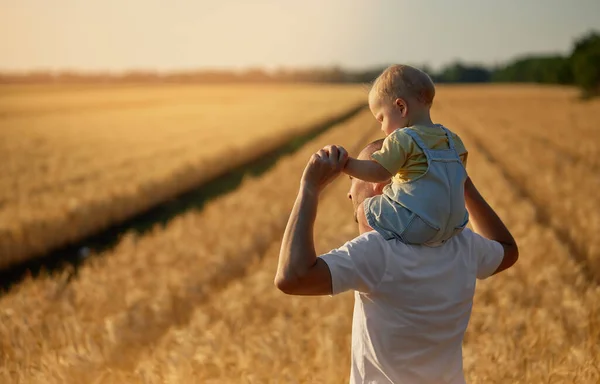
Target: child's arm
367,170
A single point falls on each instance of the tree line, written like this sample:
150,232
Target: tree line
580,67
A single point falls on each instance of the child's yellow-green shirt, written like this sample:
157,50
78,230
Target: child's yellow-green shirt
403,158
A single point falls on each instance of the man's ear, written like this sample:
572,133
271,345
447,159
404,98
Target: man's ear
402,105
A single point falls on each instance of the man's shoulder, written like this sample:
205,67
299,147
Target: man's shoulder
368,243
371,237
462,240
373,241
468,235
471,243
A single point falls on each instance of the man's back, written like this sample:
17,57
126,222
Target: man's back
412,305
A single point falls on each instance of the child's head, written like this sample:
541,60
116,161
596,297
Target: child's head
400,97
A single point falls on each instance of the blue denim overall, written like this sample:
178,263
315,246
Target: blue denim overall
428,209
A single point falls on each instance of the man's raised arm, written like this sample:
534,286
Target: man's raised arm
486,222
299,271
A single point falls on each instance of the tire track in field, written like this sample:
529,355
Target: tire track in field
256,163
542,212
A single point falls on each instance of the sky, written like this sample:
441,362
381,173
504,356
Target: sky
167,35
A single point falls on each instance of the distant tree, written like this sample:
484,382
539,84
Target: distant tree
553,69
461,73
585,64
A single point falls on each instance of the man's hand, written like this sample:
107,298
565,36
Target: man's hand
323,167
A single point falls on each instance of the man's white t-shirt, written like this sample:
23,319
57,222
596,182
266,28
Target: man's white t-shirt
412,304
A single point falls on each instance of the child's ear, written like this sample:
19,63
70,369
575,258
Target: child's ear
402,105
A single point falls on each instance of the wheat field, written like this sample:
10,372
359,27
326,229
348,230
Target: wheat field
77,159
193,301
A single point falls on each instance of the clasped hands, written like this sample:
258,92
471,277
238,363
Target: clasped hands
323,167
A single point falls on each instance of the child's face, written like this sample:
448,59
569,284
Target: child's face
391,114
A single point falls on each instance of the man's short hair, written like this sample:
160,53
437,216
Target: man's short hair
370,148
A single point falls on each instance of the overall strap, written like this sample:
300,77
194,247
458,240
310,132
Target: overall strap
417,139
450,140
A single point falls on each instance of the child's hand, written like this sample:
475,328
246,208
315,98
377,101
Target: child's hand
323,167
342,153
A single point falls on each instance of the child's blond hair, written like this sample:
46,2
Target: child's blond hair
402,81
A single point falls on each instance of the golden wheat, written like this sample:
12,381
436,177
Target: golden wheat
75,160
194,301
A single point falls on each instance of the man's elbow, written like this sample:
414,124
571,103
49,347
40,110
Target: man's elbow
513,255
285,284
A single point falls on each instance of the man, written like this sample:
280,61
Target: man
412,303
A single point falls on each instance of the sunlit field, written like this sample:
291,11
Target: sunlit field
76,159
193,301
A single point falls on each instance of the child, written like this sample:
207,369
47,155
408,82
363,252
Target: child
424,203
